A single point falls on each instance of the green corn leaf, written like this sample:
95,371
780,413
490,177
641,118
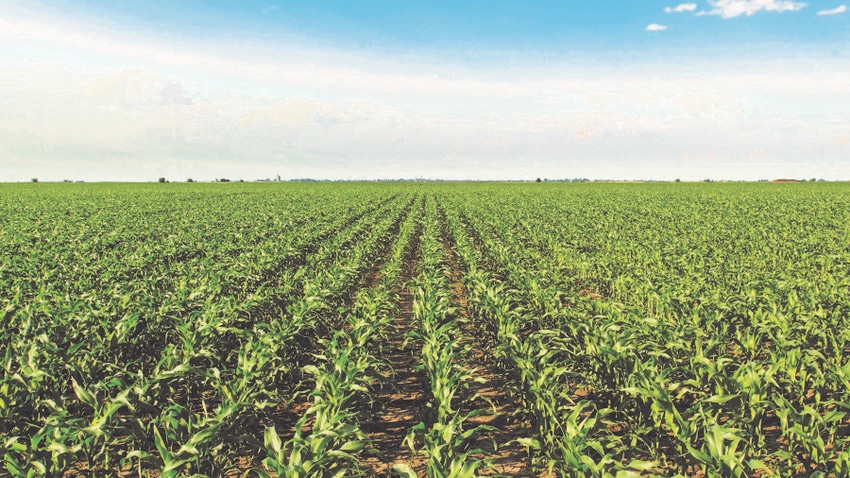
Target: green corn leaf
141,455
404,471
83,394
12,444
531,443
642,465
721,399
627,474
272,440
161,447
56,447
353,445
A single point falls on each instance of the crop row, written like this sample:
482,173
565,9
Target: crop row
446,437
328,437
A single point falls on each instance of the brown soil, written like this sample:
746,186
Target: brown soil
590,293
402,402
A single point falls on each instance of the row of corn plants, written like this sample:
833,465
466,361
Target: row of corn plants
348,368
446,438
90,357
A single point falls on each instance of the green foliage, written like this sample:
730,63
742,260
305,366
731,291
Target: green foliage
155,329
697,320
643,329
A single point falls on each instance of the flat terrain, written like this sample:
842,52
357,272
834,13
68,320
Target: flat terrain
425,329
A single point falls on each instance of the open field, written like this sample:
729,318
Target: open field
440,330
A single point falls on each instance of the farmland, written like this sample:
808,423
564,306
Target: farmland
440,330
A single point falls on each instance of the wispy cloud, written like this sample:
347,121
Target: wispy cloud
654,27
834,11
735,8
315,75
682,7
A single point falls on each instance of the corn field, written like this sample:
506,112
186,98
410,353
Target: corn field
425,330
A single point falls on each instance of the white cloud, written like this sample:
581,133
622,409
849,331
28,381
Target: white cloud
682,7
834,11
735,8
322,71
654,27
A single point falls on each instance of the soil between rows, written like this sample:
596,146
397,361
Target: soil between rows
402,400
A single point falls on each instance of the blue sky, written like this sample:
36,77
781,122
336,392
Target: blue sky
134,90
